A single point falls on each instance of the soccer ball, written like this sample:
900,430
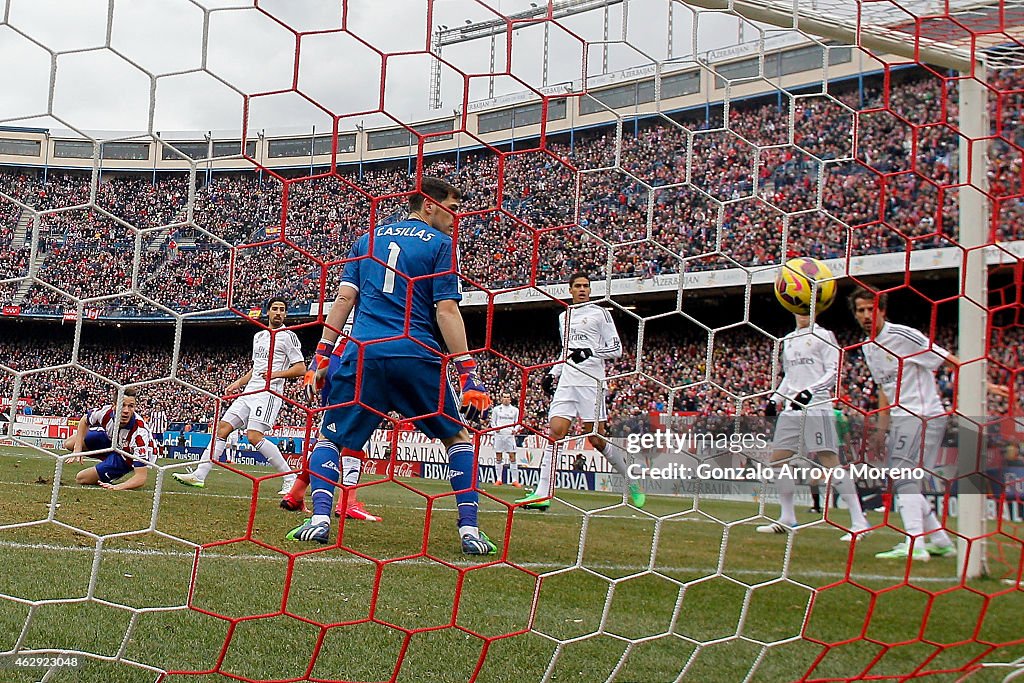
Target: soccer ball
795,286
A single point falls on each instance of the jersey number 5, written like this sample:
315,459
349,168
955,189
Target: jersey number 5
389,275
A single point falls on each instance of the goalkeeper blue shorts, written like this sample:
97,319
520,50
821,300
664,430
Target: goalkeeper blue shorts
412,387
332,367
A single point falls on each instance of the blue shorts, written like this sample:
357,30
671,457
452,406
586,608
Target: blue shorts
332,367
114,465
411,387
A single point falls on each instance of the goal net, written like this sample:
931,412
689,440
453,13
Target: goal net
678,154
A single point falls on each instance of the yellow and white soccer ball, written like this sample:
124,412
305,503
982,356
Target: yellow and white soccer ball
801,279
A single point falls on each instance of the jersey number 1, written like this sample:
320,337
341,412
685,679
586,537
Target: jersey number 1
389,275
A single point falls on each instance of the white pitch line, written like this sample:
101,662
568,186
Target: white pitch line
693,517
539,566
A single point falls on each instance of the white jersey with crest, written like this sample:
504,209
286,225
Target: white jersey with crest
287,352
903,362
505,418
586,326
810,361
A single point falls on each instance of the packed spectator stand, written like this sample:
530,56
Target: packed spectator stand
773,159
781,178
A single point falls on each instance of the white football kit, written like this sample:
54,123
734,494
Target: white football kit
581,386
504,418
810,360
903,362
258,411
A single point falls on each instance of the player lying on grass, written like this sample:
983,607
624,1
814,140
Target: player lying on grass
401,279
99,430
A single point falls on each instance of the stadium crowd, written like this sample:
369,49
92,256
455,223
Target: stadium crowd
724,193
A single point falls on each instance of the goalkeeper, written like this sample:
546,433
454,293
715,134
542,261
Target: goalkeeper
400,279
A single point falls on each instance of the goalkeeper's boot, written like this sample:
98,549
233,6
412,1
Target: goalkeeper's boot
478,545
637,497
775,528
534,502
356,511
292,504
309,532
900,551
940,550
189,479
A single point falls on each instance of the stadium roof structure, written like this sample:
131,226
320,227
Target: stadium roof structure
949,33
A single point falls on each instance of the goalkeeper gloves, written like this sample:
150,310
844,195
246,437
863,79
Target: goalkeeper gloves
476,402
801,400
771,409
310,384
580,355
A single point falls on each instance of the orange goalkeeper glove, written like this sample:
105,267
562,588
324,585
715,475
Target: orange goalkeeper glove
476,402
310,384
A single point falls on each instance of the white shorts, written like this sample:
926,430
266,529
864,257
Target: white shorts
587,403
906,447
255,411
805,432
505,443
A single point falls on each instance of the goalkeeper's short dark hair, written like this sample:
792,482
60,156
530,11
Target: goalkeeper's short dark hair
435,188
881,300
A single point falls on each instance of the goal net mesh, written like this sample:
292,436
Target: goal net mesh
828,129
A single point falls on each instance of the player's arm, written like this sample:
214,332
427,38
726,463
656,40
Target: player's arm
297,369
1000,390
78,444
611,345
476,402
341,309
827,353
239,383
882,421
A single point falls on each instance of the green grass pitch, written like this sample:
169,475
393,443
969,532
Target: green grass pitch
687,592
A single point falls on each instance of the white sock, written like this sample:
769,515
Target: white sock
930,522
497,470
206,461
320,519
547,466
911,506
786,486
269,450
616,458
513,473
471,530
848,492
351,468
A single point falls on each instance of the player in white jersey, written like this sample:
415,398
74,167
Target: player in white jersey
104,429
806,424
589,338
911,417
276,357
505,420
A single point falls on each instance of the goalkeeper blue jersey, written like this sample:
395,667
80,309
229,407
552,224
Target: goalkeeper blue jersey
417,256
